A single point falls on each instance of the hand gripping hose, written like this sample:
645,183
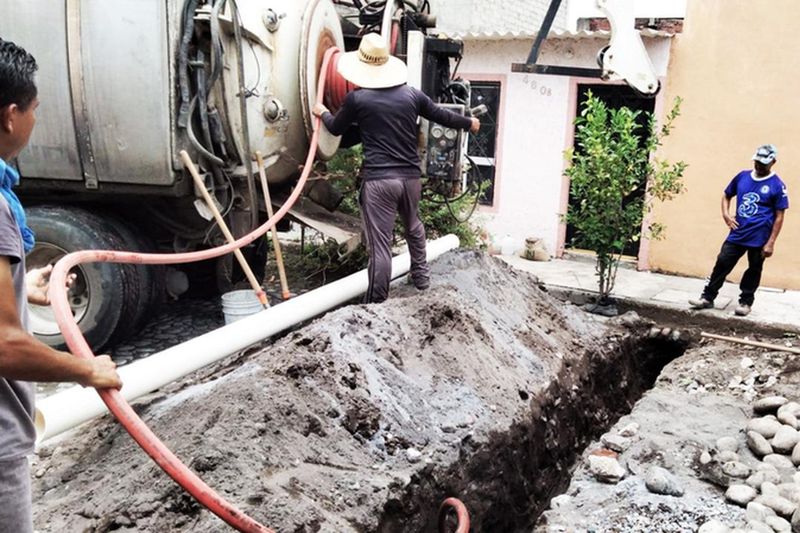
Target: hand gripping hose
112,398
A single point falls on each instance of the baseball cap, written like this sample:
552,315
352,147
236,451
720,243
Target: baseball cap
766,154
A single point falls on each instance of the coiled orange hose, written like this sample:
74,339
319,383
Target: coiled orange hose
461,513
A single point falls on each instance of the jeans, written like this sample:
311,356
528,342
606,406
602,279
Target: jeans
729,255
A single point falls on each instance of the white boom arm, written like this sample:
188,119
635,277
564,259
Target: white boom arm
626,58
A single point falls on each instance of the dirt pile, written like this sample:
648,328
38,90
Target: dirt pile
483,387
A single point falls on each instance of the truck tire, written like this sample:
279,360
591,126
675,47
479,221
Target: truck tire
151,279
104,294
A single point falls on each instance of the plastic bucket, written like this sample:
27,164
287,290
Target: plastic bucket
240,304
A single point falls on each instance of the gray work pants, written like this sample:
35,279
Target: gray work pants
381,200
15,496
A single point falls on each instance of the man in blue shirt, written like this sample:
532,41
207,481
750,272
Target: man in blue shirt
761,200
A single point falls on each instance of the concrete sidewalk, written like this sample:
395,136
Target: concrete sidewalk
773,307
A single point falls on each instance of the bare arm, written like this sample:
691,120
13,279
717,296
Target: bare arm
23,357
726,207
769,248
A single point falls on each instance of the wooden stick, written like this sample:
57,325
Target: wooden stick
285,294
187,161
776,347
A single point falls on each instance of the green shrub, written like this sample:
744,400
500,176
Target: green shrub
436,216
613,158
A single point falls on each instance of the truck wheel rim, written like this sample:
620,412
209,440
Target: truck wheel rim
41,318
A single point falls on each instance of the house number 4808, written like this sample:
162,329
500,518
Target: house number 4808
542,90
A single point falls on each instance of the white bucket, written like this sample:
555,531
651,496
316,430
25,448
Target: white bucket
240,304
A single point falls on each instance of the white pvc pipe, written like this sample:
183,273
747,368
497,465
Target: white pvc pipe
67,409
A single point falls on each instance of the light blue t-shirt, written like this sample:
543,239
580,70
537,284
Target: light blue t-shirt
757,201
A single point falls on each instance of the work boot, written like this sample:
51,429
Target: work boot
421,283
701,303
742,310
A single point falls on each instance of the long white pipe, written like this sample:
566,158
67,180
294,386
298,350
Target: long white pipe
71,407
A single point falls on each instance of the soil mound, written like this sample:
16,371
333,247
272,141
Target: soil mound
363,420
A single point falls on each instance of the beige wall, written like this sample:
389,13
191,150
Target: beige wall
737,67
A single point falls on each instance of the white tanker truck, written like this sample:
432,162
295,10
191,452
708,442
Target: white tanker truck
125,85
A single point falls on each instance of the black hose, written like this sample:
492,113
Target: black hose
202,103
216,46
183,60
193,139
448,202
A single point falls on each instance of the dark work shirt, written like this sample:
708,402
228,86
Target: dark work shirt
388,122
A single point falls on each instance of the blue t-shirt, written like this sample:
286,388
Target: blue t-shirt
757,200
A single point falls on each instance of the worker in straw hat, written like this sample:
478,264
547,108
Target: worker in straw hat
386,111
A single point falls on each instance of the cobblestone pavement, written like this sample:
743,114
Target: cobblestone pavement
176,322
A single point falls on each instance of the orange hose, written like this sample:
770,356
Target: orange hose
461,513
134,425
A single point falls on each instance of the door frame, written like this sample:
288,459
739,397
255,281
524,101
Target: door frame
498,150
643,259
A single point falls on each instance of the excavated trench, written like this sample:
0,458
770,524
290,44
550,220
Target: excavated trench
508,481
484,388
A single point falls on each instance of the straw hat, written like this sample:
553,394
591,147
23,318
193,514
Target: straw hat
372,67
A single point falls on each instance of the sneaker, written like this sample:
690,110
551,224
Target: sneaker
701,303
742,310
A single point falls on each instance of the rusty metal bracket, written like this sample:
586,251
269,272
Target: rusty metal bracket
78,94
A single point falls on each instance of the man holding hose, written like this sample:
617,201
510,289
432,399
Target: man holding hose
23,358
386,111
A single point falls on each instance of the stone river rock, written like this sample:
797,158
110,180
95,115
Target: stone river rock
758,512
741,494
759,527
769,405
758,444
727,456
785,439
789,419
606,469
758,479
779,504
617,443
736,469
792,408
796,521
781,462
796,454
781,525
767,427
714,526
661,481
